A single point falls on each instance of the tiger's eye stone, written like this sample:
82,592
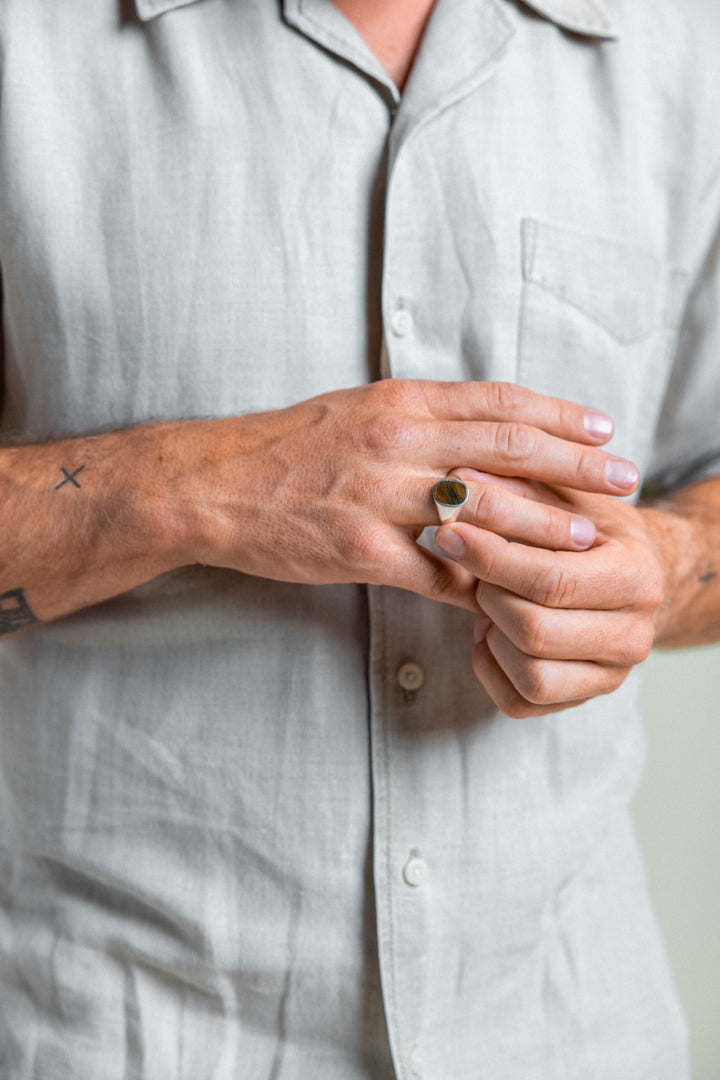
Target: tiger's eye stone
451,492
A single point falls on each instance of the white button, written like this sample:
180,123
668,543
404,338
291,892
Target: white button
415,1062
410,676
401,322
414,870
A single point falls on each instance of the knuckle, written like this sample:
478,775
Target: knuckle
512,706
441,583
515,706
554,587
641,583
395,393
652,591
587,461
614,680
386,432
489,565
516,441
568,414
533,633
487,504
627,584
533,684
361,547
638,644
554,525
506,399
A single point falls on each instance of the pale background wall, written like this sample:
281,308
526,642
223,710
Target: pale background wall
678,818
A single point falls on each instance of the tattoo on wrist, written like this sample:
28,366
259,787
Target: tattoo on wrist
69,478
15,612
707,577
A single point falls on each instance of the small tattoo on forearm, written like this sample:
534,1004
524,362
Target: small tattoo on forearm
69,478
15,612
707,577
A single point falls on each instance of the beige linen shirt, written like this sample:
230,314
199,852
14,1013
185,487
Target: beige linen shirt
260,831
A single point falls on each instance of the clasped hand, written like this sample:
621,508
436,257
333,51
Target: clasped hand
338,489
559,627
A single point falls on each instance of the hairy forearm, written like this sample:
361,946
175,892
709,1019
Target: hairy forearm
83,520
334,489
685,529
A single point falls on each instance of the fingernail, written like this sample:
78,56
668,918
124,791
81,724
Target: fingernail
582,531
598,425
621,474
451,543
482,625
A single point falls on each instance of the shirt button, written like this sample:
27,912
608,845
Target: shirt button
415,1062
414,870
401,322
410,676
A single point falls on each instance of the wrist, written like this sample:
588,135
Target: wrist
193,504
675,543
164,520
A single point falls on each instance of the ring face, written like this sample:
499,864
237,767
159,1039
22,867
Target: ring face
450,492
450,496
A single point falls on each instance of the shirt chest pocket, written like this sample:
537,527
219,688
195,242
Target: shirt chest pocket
598,324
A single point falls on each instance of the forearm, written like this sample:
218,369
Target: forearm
685,529
335,489
84,520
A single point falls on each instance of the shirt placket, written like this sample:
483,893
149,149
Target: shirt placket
405,661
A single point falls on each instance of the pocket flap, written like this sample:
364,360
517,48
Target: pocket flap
618,286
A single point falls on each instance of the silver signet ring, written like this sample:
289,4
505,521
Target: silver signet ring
450,496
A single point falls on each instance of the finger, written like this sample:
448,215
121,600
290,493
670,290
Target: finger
513,508
501,690
502,401
517,449
523,488
406,565
547,683
564,498
594,580
499,509
614,638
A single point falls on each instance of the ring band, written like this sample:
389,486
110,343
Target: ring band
450,496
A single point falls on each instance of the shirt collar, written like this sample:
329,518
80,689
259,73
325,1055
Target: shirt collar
148,9
587,17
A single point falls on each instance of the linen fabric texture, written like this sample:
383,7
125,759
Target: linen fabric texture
234,845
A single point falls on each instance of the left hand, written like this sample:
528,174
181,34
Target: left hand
562,627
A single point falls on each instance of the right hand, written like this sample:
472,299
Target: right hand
339,488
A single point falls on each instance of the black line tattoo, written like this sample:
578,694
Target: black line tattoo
15,612
69,478
707,577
